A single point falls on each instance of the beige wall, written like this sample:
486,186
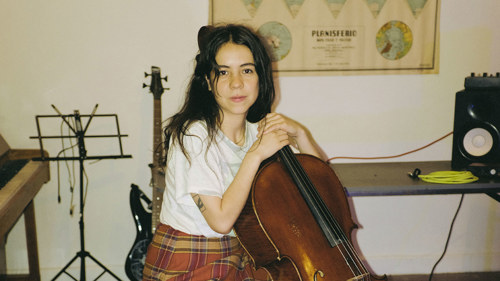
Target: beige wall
75,54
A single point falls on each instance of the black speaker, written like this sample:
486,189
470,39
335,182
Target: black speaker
476,136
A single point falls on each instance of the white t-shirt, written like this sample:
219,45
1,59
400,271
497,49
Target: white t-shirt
209,173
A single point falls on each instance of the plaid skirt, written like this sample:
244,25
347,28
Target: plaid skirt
176,256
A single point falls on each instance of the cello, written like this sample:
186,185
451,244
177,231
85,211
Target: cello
295,222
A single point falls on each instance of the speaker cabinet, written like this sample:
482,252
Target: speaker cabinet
476,137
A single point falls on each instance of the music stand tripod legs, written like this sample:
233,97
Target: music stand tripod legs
82,254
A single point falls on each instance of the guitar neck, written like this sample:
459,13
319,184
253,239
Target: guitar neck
157,168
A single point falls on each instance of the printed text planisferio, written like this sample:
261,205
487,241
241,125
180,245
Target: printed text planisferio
334,33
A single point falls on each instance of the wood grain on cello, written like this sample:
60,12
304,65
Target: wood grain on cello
296,220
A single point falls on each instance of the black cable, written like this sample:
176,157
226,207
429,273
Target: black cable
449,235
71,173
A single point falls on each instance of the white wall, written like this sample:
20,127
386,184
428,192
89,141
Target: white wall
75,54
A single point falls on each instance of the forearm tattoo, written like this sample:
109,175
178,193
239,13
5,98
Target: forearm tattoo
198,202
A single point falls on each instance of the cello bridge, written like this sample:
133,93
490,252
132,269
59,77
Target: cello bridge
360,277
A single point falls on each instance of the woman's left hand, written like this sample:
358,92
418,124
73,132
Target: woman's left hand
276,121
299,135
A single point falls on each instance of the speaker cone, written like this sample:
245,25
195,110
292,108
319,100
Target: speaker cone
478,142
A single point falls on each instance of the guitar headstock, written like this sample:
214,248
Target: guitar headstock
156,86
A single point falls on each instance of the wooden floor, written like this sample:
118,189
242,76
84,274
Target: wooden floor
469,276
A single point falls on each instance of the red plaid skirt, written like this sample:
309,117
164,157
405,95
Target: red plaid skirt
176,256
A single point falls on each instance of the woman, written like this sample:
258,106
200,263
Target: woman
215,145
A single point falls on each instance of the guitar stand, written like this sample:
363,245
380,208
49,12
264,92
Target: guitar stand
80,136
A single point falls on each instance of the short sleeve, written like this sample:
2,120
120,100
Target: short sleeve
201,173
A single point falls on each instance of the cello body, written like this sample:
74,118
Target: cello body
281,234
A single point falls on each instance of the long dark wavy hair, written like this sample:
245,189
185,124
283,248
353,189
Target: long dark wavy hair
200,103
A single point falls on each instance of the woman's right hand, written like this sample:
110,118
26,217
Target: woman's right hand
269,143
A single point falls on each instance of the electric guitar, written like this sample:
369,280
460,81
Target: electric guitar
147,221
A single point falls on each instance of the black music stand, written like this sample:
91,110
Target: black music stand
79,133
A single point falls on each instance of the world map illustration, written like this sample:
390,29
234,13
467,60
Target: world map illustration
278,37
394,40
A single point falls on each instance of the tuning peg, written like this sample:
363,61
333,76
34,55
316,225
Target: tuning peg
144,85
146,74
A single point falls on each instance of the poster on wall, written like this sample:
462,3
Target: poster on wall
341,37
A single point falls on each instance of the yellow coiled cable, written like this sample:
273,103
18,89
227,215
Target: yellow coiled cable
449,177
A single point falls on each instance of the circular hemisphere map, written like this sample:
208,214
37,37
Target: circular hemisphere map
394,40
278,37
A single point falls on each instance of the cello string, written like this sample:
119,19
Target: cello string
304,179
327,214
338,229
295,170
312,193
